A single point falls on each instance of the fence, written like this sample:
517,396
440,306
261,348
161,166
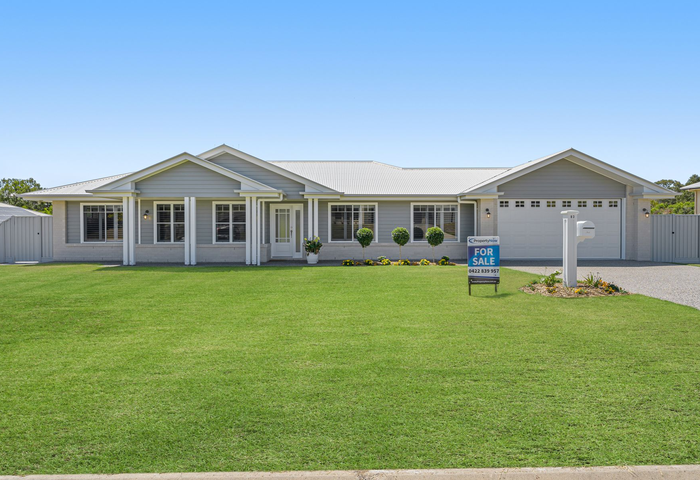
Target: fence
26,239
675,238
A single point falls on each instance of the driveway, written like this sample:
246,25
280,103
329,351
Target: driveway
667,281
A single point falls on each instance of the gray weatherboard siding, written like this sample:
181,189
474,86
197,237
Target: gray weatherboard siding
563,179
260,174
188,180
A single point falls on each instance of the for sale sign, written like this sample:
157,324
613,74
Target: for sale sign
484,264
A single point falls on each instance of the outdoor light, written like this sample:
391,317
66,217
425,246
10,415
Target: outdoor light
646,212
488,213
145,215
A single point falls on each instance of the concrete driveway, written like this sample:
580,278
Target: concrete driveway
667,281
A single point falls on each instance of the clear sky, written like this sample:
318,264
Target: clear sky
99,88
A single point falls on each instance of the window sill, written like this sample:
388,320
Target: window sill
95,244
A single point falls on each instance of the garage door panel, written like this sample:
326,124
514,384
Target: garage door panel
537,232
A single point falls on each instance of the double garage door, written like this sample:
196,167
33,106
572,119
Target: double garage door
532,228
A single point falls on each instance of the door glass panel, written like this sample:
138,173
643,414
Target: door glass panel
282,217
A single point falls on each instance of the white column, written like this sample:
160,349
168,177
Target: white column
315,234
138,219
247,232
253,231
192,230
187,230
132,232
125,226
310,220
570,247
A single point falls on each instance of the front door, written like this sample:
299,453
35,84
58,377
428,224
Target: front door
287,229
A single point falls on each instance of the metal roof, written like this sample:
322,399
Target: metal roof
374,178
7,211
76,188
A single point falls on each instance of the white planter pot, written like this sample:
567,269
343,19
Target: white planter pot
312,258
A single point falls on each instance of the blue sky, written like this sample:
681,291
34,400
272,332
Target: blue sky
98,88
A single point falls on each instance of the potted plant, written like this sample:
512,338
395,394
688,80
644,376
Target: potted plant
435,237
312,247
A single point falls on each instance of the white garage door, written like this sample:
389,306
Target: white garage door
532,228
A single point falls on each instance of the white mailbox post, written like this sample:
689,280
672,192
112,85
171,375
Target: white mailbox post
574,232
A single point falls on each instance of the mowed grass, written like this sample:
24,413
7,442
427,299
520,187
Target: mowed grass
106,370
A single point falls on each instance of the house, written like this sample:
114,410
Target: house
225,205
695,188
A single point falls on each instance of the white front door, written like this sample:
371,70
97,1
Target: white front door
287,230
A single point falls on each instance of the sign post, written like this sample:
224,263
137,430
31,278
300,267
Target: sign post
484,261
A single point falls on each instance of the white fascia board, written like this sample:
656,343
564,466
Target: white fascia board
320,195
694,186
417,198
260,193
221,149
67,197
178,160
579,158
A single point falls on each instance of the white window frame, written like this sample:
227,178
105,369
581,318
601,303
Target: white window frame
214,222
82,223
376,220
451,204
172,217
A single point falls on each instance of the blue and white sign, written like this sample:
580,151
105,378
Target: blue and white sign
484,259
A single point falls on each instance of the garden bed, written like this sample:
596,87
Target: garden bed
591,286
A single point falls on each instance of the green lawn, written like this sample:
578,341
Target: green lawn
194,369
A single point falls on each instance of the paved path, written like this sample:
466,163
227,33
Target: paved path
667,281
673,472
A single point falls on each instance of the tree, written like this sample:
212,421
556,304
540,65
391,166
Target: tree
684,202
11,188
365,237
435,237
401,237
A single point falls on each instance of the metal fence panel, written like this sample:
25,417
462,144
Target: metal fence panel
26,239
676,238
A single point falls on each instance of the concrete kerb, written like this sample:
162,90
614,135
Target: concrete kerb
671,472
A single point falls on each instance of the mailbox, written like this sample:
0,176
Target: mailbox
584,230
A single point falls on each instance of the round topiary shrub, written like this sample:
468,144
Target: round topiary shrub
401,237
365,237
435,237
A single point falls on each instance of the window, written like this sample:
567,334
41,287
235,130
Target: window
229,222
612,204
566,204
346,220
582,204
551,203
102,223
519,203
504,203
170,222
426,216
597,204
535,204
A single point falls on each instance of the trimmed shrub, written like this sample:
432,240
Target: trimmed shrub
385,261
424,262
401,237
435,237
364,236
369,262
348,263
403,262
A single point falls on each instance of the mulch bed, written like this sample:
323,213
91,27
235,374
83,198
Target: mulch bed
559,290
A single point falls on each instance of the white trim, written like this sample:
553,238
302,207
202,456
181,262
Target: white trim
187,233
623,229
130,217
315,217
125,233
376,221
458,226
172,217
214,203
221,149
138,217
174,162
247,226
193,231
311,216
82,221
